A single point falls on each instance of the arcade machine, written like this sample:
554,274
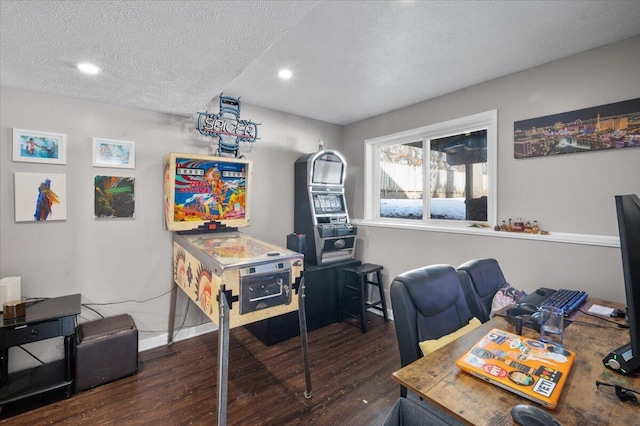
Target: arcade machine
320,209
233,278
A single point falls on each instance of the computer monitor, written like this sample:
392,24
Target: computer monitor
626,359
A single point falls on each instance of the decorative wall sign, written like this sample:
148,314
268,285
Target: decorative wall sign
114,197
113,153
40,197
611,126
227,126
33,146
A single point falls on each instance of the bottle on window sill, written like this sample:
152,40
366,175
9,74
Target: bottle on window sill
535,229
528,229
518,226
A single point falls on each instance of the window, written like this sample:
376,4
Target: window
438,175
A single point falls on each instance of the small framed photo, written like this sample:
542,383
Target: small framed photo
33,146
113,153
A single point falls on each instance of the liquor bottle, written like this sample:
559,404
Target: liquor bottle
527,228
535,228
518,226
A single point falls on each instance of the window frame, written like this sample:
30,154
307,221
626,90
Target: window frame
487,120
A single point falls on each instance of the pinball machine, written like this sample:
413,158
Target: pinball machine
233,278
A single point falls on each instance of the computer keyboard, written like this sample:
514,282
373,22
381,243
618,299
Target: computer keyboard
567,300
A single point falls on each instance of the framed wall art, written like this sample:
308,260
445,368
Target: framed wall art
114,197
40,197
114,153
604,127
33,146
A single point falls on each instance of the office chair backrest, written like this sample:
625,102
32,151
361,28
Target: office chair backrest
427,303
481,279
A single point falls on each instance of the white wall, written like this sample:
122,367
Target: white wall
571,193
121,260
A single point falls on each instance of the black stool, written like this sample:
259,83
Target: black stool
359,290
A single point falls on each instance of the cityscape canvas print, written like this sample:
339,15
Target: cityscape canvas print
611,126
40,197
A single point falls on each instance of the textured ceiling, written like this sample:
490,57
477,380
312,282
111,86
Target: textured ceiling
351,59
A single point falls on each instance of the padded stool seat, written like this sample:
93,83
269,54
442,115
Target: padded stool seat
107,350
359,290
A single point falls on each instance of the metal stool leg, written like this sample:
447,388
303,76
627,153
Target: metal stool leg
384,304
343,295
363,303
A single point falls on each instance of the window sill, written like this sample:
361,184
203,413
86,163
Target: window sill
555,237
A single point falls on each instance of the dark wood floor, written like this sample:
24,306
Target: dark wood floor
177,384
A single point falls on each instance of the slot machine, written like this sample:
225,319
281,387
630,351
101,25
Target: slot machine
321,210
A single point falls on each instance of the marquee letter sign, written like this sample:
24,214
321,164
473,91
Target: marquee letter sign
227,126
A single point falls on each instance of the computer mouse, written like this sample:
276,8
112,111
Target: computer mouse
528,415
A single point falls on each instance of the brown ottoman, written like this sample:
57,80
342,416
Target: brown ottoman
106,350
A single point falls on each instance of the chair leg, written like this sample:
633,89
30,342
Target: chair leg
363,304
384,304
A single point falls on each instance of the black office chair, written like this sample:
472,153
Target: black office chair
481,279
427,303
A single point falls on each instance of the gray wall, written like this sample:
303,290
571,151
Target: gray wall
119,260
565,193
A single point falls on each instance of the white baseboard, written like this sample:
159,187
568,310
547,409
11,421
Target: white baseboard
185,333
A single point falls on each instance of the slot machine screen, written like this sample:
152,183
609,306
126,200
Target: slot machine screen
328,203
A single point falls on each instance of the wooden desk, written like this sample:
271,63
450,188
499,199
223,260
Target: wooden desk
437,379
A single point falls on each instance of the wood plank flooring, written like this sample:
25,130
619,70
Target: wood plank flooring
177,384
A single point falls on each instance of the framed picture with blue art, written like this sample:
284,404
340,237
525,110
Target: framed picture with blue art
33,146
114,153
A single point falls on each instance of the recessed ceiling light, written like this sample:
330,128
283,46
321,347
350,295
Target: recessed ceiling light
88,68
285,74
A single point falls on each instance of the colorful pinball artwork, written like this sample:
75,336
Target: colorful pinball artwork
209,190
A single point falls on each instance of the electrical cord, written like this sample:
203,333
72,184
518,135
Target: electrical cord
32,355
594,324
624,394
89,306
129,301
619,325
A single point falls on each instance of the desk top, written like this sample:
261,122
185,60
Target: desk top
45,309
436,377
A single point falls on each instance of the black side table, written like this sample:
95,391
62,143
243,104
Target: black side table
43,320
